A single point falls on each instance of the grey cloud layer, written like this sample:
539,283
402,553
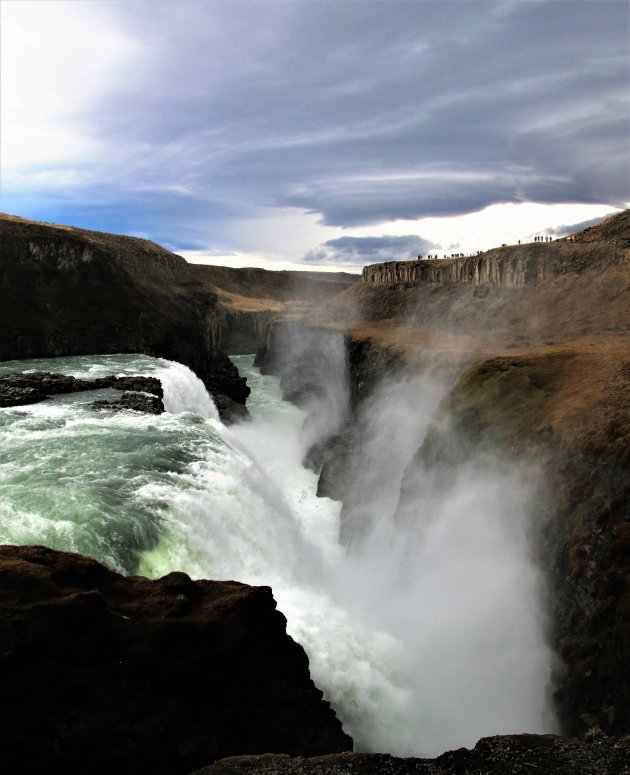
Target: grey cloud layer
363,112
358,251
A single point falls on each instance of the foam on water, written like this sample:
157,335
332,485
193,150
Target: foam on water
70,476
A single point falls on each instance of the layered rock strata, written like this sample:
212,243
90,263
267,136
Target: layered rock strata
509,267
102,673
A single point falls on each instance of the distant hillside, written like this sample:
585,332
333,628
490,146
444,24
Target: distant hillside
614,229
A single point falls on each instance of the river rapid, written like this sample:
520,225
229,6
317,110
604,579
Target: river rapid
149,494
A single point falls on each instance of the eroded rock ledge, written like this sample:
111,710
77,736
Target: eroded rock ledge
510,267
102,673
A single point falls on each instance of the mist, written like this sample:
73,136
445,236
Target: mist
423,614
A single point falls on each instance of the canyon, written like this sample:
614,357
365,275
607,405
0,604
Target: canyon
534,344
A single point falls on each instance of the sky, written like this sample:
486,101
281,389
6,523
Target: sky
315,134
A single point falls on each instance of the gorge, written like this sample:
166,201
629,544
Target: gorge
471,424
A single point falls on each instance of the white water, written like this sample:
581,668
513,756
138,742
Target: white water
423,638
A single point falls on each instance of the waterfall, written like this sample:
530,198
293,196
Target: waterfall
183,391
426,635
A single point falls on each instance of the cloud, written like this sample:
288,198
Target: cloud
359,251
561,231
360,113
48,89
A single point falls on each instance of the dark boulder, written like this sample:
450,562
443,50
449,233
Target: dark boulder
141,384
224,378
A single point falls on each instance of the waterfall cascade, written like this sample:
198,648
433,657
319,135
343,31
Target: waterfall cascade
426,635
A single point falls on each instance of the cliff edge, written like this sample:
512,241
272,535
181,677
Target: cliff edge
602,246
103,673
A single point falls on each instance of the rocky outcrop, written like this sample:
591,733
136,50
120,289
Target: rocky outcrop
229,410
104,674
614,229
596,754
30,388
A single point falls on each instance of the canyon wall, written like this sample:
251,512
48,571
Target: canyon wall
70,292
560,414
510,266
545,414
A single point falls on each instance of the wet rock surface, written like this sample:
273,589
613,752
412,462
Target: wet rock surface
20,389
103,673
137,402
224,379
230,411
501,755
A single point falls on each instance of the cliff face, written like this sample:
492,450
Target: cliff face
603,246
104,673
510,267
70,292
250,301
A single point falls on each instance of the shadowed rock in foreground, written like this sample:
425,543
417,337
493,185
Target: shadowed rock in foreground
502,755
100,673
